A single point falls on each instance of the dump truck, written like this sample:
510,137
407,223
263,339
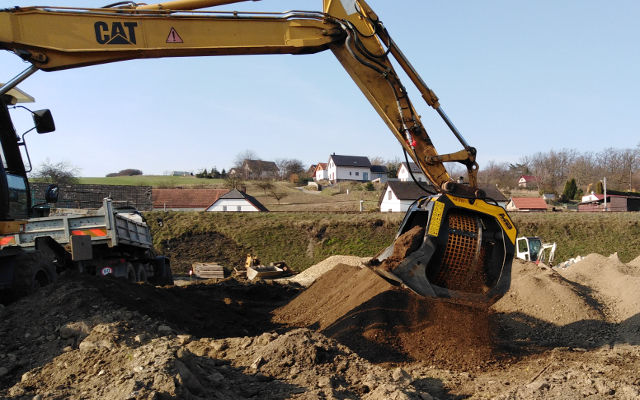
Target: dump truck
34,249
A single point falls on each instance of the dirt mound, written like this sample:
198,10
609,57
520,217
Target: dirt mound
309,275
384,323
614,284
203,247
635,262
542,293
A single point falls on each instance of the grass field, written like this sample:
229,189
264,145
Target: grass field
305,238
159,181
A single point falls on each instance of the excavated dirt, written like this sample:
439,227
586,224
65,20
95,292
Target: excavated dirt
569,333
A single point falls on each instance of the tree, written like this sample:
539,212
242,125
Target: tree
60,173
265,185
233,181
277,194
392,167
570,190
289,167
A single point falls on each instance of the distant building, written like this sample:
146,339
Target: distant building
181,173
322,172
185,199
398,196
236,201
595,202
526,204
405,176
258,169
348,168
379,173
528,182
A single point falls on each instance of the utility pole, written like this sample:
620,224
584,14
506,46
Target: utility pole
604,186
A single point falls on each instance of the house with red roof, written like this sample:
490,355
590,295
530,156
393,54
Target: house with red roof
178,199
322,172
528,182
526,204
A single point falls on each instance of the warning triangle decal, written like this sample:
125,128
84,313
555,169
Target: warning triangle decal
174,37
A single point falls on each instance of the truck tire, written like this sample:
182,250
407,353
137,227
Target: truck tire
142,272
131,273
31,273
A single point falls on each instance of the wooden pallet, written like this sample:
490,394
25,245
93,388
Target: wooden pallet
208,270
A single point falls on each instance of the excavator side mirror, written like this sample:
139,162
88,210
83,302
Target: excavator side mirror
43,121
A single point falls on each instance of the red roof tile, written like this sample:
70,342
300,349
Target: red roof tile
529,203
185,198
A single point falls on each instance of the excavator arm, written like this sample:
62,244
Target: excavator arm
56,38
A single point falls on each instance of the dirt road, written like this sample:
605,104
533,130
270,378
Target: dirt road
569,334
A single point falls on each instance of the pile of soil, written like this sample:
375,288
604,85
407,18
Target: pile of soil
571,334
385,323
309,275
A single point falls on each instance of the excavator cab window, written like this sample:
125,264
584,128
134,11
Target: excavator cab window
18,196
535,245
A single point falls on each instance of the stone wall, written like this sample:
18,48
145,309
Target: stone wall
91,196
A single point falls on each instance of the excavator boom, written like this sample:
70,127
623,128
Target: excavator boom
361,43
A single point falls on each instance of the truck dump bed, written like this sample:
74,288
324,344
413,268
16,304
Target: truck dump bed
105,226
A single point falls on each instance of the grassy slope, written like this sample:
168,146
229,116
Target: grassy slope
159,181
303,239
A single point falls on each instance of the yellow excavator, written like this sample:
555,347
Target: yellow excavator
462,242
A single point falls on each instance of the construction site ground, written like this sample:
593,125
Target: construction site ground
335,331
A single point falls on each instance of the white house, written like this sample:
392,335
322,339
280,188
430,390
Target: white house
528,182
348,168
380,173
404,176
398,196
236,200
322,172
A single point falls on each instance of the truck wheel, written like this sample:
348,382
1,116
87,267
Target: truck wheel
142,272
30,274
131,273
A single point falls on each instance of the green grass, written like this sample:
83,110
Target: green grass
305,238
158,181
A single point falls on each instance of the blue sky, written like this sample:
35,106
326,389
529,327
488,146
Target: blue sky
515,77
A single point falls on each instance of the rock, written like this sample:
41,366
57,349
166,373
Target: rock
324,381
25,377
3,371
67,348
184,339
74,330
164,329
216,377
188,378
400,375
257,362
140,338
37,397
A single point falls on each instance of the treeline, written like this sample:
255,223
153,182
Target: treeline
555,169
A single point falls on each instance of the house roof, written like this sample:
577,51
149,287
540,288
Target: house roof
494,193
414,167
529,203
350,161
321,166
259,165
379,169
529,178
407,190
236,194
185,198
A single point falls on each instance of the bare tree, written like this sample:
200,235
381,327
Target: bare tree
60,173
278,195
234,181
265,185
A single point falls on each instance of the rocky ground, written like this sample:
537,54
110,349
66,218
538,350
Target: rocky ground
569,333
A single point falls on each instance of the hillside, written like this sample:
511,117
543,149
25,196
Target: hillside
304,238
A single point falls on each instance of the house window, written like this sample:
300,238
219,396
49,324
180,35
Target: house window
349,172
224,208
239,208
357,173
389,194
